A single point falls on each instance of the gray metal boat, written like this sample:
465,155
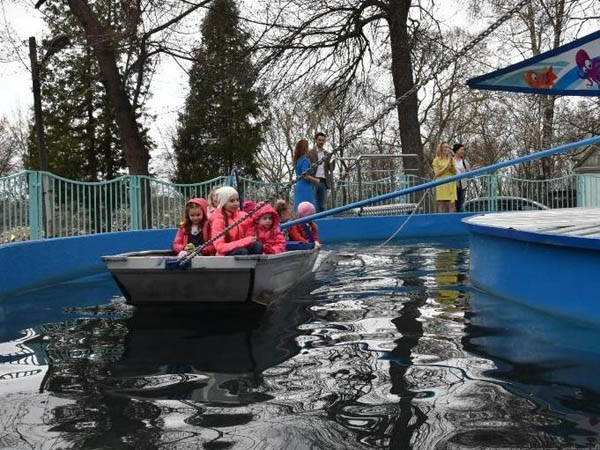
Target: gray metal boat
144,278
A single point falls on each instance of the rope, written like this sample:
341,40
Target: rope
427,193
368,125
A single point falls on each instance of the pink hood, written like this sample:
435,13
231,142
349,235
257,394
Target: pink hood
201,203
272,239
266,209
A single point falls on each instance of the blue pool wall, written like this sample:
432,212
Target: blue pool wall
33,264
556,274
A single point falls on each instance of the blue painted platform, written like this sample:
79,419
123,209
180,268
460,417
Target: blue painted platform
549,260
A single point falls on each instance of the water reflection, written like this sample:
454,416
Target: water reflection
156,378
388,349
551,360
446,264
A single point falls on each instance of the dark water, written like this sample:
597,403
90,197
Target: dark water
384,348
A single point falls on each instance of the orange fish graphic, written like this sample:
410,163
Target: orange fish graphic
541,79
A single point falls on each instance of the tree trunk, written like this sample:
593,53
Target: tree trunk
402,75
548,124
99,37
90,128
548,134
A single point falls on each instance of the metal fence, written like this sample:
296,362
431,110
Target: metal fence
37,205
484,194
352,191
16,209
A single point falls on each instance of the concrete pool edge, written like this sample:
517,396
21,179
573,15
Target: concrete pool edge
31,265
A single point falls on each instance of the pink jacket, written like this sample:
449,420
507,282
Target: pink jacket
238,237
272,239
182,237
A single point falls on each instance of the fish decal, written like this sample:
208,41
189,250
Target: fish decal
589,68
570,69
540,79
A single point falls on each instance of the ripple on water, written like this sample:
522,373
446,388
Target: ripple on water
385,348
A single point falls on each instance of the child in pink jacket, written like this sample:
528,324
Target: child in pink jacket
241,239
307,232
194,230
266,225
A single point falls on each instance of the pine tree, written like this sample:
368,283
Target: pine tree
222,124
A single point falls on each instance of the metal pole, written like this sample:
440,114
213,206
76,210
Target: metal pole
359,176
41,144
37,105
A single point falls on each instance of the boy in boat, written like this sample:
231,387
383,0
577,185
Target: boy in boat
268,233
240,240
194,230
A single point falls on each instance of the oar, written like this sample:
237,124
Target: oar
438,182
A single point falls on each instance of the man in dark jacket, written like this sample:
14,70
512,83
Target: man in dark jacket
323,171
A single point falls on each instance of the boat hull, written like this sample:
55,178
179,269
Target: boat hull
144,278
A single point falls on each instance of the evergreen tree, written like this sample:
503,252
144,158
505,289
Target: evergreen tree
222,124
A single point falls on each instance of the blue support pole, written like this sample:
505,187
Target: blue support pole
434,183
35,204
493,203
135,201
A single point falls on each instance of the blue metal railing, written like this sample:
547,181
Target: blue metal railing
35,205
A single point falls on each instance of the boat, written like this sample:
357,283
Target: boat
147,277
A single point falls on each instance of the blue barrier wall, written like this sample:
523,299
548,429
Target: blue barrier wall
33,264
551,273
382,227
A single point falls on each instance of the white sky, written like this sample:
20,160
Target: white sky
15,79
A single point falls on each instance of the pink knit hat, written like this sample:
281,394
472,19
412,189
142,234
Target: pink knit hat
249,205
305,209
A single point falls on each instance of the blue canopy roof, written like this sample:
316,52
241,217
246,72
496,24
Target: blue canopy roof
572,69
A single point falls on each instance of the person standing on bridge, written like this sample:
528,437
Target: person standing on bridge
443,167
304,190
323,171
461,165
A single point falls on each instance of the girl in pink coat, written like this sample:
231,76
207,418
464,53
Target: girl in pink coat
194,230
240,240
266,224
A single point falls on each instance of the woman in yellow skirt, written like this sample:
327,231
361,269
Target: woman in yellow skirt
443,166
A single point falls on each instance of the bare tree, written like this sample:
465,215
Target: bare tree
299,115
13,143
146,34
339,41
275,155
543,25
